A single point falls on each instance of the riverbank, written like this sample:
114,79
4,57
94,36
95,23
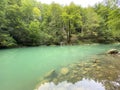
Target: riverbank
64,44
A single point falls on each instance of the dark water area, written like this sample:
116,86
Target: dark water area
81,67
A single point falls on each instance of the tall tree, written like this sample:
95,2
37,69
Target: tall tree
91,22
71,16
114,23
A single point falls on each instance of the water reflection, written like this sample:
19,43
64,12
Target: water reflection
101,72
84,84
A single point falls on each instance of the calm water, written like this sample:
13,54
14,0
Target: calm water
21,68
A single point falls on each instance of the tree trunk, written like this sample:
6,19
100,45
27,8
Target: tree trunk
69,32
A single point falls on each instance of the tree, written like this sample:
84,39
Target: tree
27,22
3,4
114,22
6,41
55,22
71,16
91,22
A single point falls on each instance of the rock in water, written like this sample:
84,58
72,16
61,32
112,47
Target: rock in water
64,71
51,74
113,51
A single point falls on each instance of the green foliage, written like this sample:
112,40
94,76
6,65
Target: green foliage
30,23
72,19
91,22
114,19
6,41
105,37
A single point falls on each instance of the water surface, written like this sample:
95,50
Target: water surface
22,68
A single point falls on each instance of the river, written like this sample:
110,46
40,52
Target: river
22,68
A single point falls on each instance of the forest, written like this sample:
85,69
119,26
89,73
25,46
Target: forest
32,23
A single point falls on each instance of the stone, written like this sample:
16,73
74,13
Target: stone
113,51
74,71
94,65
95,61
64,71
87,69
84,72
112,67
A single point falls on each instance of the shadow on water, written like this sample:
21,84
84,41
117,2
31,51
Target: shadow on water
100,72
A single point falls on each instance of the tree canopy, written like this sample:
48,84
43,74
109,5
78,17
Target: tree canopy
31,23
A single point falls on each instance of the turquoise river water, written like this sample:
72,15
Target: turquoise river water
21,68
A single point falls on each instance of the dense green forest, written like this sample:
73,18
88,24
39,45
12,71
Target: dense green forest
31,23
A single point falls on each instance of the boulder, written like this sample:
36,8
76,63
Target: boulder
113,51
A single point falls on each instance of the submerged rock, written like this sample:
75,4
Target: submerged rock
94,65
113,51
51,74
96,61
64,71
